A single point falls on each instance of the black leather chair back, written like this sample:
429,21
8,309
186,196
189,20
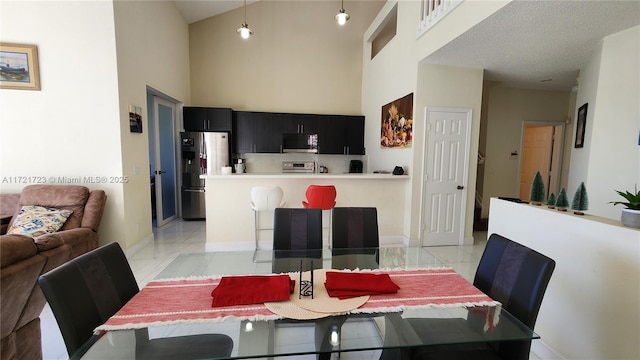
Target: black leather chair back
297,229
517,276
297,235
86,291
354,227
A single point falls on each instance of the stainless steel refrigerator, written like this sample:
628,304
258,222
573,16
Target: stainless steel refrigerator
202,153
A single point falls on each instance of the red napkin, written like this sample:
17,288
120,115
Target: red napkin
346,285
252,289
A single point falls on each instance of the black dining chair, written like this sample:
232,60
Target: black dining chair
297,235
355,232
86,291
508,272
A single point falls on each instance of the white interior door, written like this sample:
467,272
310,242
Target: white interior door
165,173
445,176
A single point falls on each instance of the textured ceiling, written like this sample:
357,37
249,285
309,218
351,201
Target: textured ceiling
527,44
538,44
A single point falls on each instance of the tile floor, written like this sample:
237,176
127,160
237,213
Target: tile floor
189,237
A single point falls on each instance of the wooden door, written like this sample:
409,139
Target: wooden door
537,145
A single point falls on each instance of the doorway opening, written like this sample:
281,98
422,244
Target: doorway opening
542,145
162,113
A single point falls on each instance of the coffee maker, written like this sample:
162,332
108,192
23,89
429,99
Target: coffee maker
355,166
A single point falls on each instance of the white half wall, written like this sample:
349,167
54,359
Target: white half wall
591,307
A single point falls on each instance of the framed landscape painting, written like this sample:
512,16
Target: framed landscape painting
19,67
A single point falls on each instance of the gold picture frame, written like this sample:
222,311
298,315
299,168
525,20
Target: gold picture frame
19,67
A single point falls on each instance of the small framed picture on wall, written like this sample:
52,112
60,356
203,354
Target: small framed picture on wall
580,126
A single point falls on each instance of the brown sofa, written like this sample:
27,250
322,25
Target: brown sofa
23,259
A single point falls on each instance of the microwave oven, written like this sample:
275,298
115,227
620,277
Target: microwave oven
300,143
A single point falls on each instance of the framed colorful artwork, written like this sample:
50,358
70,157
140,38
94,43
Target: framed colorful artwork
397,123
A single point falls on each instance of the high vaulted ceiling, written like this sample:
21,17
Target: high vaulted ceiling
196,10
527,44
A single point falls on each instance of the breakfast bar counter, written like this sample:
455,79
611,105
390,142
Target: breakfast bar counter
230,219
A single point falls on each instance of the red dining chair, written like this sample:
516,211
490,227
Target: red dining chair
321,197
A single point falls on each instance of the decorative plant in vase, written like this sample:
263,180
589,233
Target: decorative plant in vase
562,203
631,214
580,200
537,193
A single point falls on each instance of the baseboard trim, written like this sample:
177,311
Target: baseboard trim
133,250
544,351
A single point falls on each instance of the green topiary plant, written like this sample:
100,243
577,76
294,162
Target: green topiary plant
633,199
551,202
580,200
562,203
537,194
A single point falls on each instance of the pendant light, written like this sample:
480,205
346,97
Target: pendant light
342,16
244,30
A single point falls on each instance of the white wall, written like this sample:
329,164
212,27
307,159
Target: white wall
610,158
298,60
508,109
96,58
396,72
445,86
69,128
153,50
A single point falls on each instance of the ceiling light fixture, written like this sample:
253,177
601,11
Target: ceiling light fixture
244,30
342,16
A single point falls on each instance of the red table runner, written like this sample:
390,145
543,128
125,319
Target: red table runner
172,301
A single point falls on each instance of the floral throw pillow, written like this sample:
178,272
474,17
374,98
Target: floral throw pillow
35,220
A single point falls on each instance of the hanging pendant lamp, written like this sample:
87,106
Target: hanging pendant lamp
244,30
342,16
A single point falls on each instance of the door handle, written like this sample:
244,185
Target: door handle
159,172
460,187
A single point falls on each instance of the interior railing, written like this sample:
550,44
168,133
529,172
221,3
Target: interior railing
432,11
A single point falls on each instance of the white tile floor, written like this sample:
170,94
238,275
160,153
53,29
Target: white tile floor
180,237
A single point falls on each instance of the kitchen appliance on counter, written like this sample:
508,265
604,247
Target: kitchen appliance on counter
355,166
298,167
300,143
240,166
202,153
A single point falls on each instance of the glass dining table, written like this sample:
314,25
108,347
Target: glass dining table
352,332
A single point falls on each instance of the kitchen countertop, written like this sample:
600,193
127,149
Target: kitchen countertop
363,176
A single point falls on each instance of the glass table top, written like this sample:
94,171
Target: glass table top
343,333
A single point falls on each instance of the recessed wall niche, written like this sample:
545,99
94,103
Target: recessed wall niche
385,32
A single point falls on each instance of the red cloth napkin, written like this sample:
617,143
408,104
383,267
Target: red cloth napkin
252,289
346,285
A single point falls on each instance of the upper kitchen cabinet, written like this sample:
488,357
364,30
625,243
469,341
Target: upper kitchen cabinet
256,132
207,119
297,123
262,132
341,134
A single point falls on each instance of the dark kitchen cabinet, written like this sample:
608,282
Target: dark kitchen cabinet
341,134
256,132
207,119
261,132
297,123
